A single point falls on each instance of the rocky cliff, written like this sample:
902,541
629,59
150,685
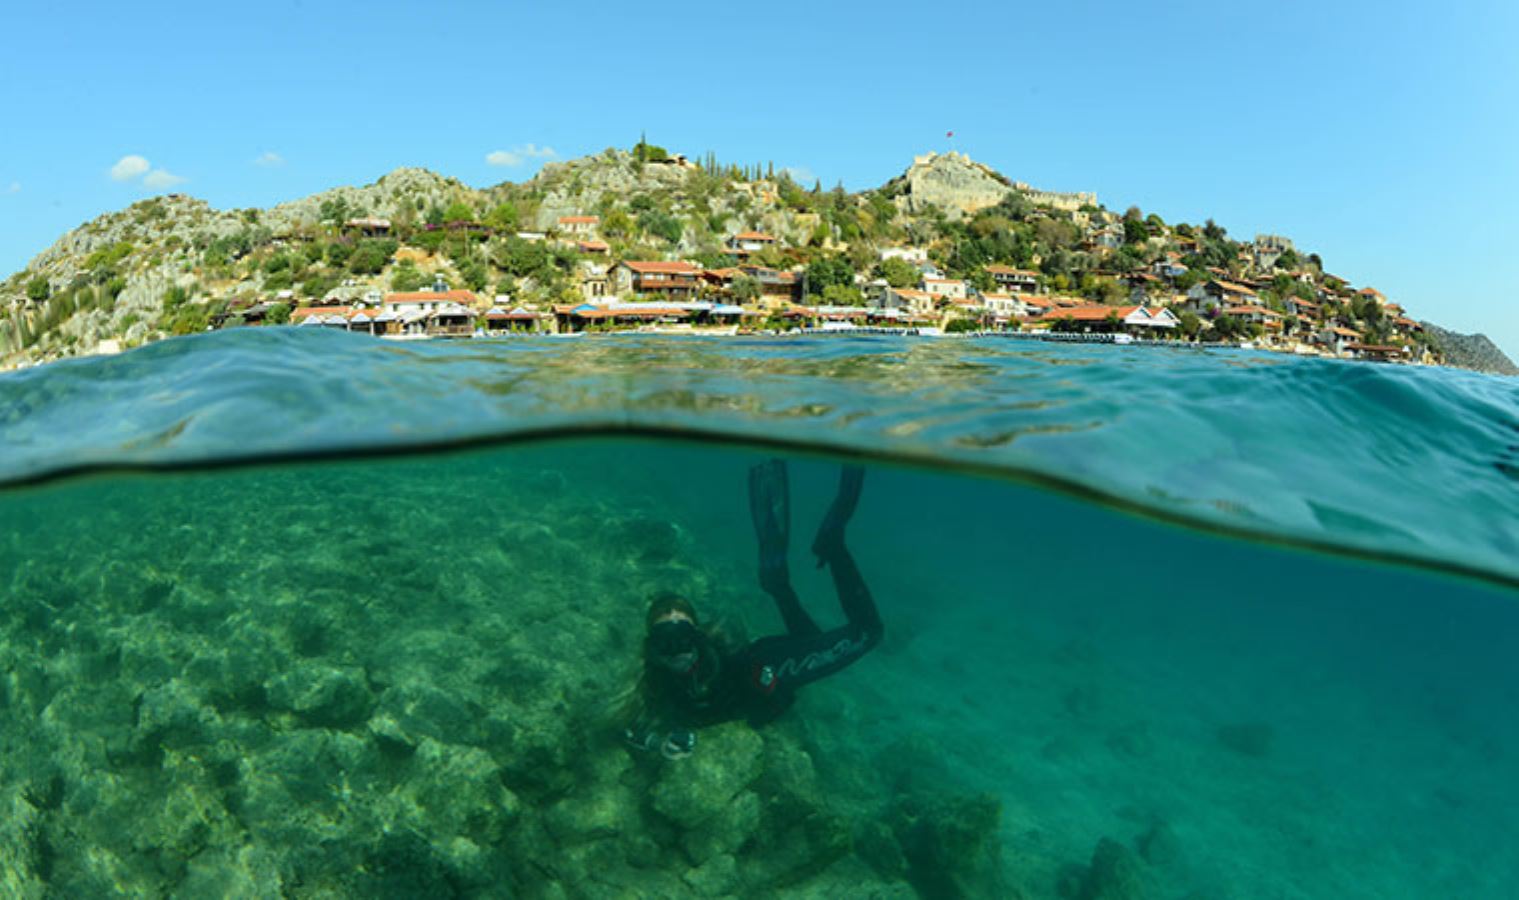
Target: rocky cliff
1471,351
951,181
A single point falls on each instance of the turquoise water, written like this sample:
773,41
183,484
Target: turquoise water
1153,622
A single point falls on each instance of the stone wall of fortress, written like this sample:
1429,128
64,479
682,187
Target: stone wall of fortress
1067,202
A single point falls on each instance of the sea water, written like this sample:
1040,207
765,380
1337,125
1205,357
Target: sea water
308,615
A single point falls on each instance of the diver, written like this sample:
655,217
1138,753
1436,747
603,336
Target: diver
694,677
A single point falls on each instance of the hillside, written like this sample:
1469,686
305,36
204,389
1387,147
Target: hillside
173,265
1471,351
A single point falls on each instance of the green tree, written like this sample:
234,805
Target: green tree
826,271
279,314
38,289
643,151
617,224
745,289
661,225
406,277
503,218
338,253
371,256
1189,324
174,298
475,275
899,273
458,211
842,295
335,211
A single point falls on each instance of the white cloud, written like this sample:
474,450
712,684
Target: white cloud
269,159
159,178
129,167
801,175
519,155
15,188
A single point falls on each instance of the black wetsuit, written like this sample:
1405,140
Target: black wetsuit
758,681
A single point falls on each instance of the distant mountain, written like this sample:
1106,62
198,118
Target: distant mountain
1471,351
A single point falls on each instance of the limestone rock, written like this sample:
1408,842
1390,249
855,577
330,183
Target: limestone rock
693,790
323,695
952,182
1114,874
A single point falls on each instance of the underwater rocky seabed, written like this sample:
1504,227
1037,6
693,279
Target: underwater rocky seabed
406,678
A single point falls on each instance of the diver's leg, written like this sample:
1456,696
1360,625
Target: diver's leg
854,596
785,663
770,508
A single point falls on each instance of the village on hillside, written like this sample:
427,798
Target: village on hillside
674,245
675,295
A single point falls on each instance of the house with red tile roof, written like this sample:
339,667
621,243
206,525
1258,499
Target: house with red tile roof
1013,281
428,301
1336,338
746,242
775,285
1006,306
948,288
667,279
584,226
1213,294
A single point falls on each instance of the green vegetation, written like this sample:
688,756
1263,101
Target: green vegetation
183,316
38,289
406,277
108,256
898,273
828,271
372,255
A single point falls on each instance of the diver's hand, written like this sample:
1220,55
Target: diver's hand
678,745
643,740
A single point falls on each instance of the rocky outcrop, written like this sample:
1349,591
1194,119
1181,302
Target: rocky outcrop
1470,351
951,181
406,192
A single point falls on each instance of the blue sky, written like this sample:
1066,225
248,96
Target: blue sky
1385,138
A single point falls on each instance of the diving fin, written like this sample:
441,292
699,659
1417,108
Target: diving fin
770,507
830,537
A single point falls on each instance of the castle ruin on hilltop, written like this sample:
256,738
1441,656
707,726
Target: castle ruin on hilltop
960,185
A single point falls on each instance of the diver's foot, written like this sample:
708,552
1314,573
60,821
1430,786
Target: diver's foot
770,507
830,537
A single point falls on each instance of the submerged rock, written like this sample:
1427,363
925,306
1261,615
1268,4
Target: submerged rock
950,844
693,790
323,695
1159,845
1115,873
726,832
23,851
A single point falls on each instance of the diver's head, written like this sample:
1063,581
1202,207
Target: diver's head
674,640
